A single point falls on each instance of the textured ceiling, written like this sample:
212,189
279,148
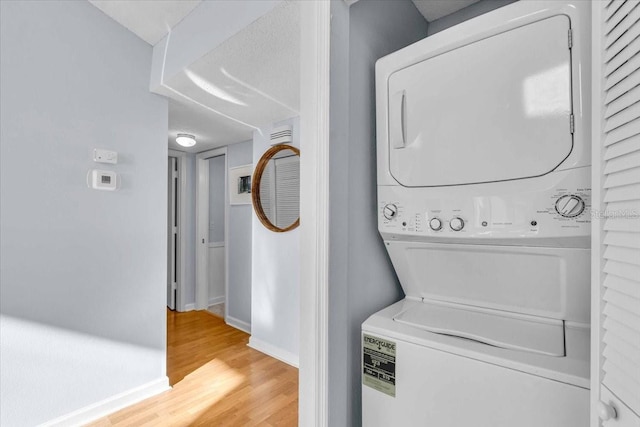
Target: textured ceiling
249,81
210,130
148,19
434,9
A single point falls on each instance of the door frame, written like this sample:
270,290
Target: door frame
182,227
202,228
314,212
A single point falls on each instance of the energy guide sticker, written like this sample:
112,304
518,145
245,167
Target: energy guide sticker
379,364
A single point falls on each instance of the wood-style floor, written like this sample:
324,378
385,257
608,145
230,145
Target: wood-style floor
217,381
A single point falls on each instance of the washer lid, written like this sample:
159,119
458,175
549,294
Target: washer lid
496,328
494,110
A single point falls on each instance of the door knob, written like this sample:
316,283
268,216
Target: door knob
606,411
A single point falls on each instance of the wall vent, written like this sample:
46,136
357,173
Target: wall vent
281,135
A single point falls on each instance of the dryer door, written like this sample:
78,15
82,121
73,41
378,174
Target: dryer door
494,110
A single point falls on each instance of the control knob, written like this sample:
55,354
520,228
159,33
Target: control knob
570,205
390,211
456,223
435,224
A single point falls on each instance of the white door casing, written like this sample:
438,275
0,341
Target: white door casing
314,212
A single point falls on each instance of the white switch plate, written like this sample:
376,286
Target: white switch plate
105,156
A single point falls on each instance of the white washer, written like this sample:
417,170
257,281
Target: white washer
484,197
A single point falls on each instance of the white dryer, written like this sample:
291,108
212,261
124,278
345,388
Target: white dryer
483,143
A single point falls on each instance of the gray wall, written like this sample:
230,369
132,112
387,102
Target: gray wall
239,244
362,279
465,14
217,200
275,275
83,268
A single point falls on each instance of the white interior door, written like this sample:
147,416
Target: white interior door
616,225
172,232
203,227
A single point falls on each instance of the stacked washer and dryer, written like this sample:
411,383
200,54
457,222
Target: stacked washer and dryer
484,196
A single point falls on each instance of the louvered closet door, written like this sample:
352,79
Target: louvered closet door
616,248
287,190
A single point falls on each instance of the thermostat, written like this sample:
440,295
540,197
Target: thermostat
102,180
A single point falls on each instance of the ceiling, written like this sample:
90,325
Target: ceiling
150,20
435,9
248,82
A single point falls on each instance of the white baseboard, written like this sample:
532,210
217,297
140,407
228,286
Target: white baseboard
216,300
238,324
190,307
108,406
273,351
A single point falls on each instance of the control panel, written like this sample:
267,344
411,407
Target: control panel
541,208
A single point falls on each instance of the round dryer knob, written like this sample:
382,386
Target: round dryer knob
456,224
570,205
435,224
390,211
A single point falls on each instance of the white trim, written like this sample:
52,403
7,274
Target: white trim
189,307
227,208
216,300
202,226
273,351
216,244
238,324
108,406
314,212
181,295
596,205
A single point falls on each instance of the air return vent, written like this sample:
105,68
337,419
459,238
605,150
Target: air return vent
281,135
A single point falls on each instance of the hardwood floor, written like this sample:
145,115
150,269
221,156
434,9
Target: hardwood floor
217,381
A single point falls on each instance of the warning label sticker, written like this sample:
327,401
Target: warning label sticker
379,364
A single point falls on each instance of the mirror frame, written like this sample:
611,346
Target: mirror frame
255,187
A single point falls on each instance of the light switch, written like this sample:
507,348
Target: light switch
105,156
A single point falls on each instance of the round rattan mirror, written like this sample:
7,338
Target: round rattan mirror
275,188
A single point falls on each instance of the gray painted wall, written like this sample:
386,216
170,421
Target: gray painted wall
217,200
240,241
362,279
465,14
83,272
275,267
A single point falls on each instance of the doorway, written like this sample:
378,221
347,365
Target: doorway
172,232
212,214
217,245
176,229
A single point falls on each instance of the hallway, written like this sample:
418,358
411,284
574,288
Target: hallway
217,380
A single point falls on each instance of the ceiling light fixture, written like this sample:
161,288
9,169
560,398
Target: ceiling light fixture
186,140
